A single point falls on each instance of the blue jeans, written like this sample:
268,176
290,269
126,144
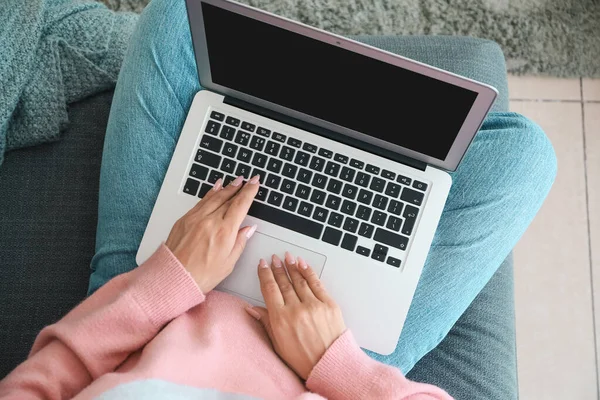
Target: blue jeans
496,192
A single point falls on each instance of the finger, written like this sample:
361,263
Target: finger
269,287
219,197
242,238
261,315
237,207
314,283
216,187
300,285
285,285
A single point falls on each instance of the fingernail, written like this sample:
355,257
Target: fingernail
218,184
254,179
289,259
237,181
263,264
276,261
253,313
301,263
251,231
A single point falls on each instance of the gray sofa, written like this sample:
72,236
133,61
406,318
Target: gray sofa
48,211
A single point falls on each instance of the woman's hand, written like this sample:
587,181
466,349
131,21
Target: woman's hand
301,319
208,240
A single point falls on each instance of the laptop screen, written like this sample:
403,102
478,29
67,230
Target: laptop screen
373,97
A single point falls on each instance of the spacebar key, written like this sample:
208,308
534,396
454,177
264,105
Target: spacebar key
285,220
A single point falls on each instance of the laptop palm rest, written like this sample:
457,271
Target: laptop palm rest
243,281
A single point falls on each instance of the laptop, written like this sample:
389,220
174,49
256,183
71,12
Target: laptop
352,144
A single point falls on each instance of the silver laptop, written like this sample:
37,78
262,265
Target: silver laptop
352,144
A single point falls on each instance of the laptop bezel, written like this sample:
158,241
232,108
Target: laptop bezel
483,103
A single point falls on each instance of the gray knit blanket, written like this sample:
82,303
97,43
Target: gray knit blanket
54,52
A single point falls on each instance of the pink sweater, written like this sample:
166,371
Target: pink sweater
154,323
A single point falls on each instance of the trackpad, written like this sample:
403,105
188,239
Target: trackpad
243,281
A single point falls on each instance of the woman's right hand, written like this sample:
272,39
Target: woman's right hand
301,319
208,240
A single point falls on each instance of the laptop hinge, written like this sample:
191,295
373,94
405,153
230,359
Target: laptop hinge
325,132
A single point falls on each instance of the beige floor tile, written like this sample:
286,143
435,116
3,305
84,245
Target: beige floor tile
592,135
543,88
555,333
591,89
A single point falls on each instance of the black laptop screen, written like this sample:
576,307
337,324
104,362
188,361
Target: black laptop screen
334,84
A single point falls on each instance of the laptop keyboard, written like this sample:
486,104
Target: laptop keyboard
310,190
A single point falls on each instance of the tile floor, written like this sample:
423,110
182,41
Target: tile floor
557,262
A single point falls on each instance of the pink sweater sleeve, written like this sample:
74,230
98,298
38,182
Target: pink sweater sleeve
101,332
346,372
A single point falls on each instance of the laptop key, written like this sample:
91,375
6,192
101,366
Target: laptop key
199,172
211,143
259,160
242,138
332,236
325,153
191,186
311,148
317,197
244,155
335,219
364,196
349,191
378,218
287,153
232,121
273,181
303,191
262,193
363,251
275,198
379,253
412,196
204,189
349,242
319,181
347,174
395,207
272,148
212,127
302,158
380,202
305,209
419,185
317,164
228,165
214,176
248,126
279,137
372,169
294,142
388,174
363,213
229,150
320,214
290,203
410,218
362,179
263,132
377,184
243,170
228,179
288,186
217,115
394,224
351,225
404,180
391,239
394,262
392,189
334,186
332,169
262,174
333,202
304,175
227,133
366,230
348,207
206,158
257,143
341,158
274,165
357,164
289,170
286,220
